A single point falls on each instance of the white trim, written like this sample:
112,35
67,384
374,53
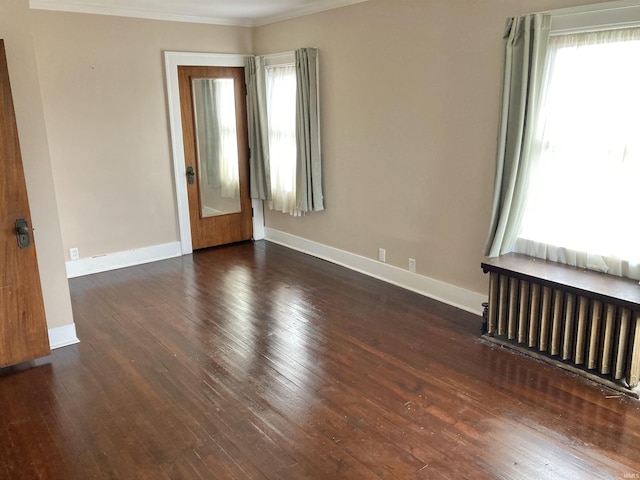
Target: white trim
128,258
63,336
594,7
73,6
172,60
258,219
429,287
602,16
279,59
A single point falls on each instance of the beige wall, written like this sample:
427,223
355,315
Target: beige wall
103,89
409,103
15,29
410,93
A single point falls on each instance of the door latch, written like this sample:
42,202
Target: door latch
191,176
22,232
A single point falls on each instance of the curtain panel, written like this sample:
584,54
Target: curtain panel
259,163
309,195
526,39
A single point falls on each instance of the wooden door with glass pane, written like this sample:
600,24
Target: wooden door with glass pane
23,328
216,152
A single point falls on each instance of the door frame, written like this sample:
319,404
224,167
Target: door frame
172,60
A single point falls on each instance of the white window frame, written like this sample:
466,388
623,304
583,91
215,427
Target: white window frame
593,18
279,59
601,16
282,59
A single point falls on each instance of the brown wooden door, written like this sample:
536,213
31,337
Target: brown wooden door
214,128
23,329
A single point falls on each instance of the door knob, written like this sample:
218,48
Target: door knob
22,232
191,175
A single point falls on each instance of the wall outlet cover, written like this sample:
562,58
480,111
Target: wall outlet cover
412,265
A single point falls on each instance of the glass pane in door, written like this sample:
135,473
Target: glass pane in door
217,145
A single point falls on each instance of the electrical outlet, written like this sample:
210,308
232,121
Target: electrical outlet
412,265
382,255
74,254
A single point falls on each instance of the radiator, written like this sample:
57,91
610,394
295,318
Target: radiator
571,325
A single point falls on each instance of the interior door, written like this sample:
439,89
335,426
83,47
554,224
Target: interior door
23,329
214,129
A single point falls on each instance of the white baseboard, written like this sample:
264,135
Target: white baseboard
63,336
258,219
113,261
429,287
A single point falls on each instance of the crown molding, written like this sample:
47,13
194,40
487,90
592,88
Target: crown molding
61,6
304,11
97,9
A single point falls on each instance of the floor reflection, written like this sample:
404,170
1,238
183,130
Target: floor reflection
574,403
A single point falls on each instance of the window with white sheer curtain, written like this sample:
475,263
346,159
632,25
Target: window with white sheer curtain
284,131
281,118
582,202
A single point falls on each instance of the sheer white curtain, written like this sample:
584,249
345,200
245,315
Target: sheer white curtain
582,206
281,114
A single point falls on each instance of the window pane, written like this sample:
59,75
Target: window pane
584,185
281,112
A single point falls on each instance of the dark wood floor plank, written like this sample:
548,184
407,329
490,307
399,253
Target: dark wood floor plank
288,400
283,406
141,334
170,390
277,422
257,362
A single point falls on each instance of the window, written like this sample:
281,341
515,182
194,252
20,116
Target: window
284,131
281,120
568,149
583,193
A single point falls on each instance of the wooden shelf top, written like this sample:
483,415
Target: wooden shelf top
618,290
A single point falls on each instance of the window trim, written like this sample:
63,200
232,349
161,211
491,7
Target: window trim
279,59
615,15
601,16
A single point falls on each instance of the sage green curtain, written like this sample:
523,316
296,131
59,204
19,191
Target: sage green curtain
259,172
526,39
309,194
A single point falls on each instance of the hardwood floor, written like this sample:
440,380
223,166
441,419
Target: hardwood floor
255,361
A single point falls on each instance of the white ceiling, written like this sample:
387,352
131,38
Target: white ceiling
247,13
